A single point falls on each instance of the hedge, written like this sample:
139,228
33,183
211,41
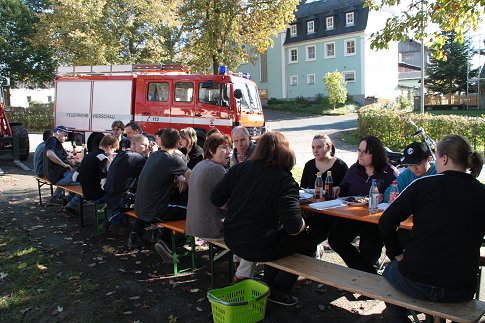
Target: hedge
37,117
392,127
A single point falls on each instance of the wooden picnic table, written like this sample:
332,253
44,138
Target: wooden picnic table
358,213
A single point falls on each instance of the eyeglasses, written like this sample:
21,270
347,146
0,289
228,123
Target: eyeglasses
363,152
225,148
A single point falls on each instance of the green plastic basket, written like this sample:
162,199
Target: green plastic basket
243,302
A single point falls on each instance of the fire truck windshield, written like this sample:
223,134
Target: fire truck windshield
250,97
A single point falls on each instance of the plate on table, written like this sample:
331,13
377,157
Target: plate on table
356,200
305,195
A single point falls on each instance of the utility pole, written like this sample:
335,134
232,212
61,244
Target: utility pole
421,107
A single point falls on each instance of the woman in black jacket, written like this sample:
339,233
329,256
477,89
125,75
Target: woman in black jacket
264,219
448,223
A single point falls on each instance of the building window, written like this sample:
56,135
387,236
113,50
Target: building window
293,31
311,54
293,57
349,76
349,49
329,23
349,19
293,80
29,99
310,27
310,79
330,50
49,98
263,58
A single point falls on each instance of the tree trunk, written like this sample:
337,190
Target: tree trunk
215,65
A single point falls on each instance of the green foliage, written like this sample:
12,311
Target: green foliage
336,87
37,117
215,31
19,59
450,75
90,32
459,16
392,128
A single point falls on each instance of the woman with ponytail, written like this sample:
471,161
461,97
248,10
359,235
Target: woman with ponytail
449,225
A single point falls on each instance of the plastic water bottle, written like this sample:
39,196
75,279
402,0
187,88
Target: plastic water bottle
318,187
328,186
394,192
373,193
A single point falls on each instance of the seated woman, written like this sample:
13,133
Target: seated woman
204,219
263,220
188,143
324,151
371,164
448,224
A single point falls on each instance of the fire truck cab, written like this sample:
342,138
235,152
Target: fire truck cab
89,98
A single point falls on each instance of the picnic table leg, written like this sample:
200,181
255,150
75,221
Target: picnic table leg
192,252
40,194
174,254
81,212
211,261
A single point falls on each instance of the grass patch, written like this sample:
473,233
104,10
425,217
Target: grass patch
34,282
305,107
296,172
350,137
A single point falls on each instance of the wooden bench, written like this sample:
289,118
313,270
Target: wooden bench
373,286
177,226
214,257
41,181
75,189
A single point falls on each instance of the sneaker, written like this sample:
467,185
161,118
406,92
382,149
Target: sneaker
55,201
134,240
70,211
281,298
164,251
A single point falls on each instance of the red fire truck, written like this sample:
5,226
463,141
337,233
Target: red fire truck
89,98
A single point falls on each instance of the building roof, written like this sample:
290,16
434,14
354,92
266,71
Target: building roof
319,10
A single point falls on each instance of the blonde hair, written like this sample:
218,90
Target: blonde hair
190,135
327,140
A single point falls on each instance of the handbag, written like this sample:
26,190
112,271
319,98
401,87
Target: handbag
128,197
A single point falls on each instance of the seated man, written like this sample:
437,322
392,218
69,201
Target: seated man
132,128
58,169
94,169
417,156
243,146
122,173
38,160
117,129
154,189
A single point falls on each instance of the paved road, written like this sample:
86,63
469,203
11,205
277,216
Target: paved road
300,131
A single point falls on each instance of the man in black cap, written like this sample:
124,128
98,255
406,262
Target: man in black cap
418,159
58,169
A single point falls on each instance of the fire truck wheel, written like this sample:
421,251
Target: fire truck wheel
19,129
94,140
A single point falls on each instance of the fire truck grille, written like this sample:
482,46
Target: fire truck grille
255,131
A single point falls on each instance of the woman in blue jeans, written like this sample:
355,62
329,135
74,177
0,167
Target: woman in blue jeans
440,260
